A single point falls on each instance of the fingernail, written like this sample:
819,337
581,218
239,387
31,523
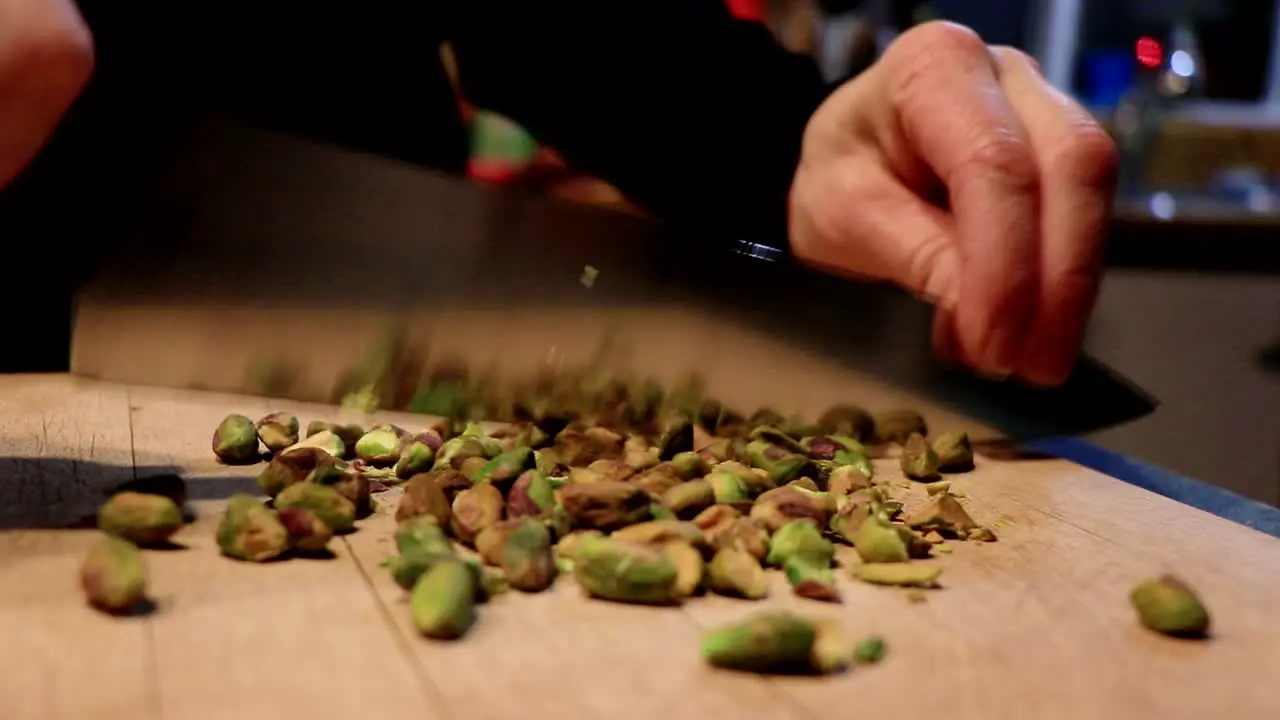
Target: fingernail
999,357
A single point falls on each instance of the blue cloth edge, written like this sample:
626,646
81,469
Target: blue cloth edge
1196,493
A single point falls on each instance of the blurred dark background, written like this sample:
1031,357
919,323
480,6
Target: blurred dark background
1190,307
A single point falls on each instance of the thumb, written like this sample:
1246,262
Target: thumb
856,218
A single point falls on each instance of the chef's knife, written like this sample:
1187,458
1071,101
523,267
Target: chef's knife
286,259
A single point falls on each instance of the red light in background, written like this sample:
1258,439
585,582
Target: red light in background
1149,52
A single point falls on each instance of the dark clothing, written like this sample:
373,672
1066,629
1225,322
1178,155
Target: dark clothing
692,114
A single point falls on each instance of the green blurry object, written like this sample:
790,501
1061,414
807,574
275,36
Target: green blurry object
500,148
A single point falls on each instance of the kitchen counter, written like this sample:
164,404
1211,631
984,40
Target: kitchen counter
1038,621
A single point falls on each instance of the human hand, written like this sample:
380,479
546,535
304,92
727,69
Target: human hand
957,171
46,57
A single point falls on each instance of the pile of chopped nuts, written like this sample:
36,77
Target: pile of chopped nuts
641,496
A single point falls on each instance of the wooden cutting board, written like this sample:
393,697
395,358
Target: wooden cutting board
1036,625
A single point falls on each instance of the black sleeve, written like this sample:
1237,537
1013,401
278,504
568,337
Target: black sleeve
693,114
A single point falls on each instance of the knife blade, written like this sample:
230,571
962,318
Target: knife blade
287,259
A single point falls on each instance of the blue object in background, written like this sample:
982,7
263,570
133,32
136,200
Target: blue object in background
1107,76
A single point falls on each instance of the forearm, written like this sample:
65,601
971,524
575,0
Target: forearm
692,114
46,57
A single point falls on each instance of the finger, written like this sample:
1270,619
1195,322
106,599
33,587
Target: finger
864,221
1077,161
952,110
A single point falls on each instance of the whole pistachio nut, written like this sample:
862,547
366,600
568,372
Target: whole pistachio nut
690,465
727,486
114,576
406,569
781,464
716,516
140,518
381,446
766,642
235,441
895,426
249,530
528,560
350,484
638,454
491,542
431,494
307,532
870,650
327,503
902,574
766,417
1170,606
350,434
780,506
734,572
659,532
579,448
811,581
620,470
606,505
278,431
918,460
688,499
295,465
326,440
804,483
475,509
832,652
849,420
878,541
442,602
954,451
455,451
558,521
741,533
418,455
943,514
568,544
800,539
656,481
625,572
530,495
503,470
690,567
421,534
472,467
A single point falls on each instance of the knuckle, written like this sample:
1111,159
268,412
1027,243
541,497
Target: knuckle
1004,155
1086,155
945,37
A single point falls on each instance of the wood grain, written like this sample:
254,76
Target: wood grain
62,443
1036,625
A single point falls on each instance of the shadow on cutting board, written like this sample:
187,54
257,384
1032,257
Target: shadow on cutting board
59,493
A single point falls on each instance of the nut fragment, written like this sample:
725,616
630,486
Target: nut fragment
114,576
918,460
811,581
870,651
905,574
1170,606
140,518
800,539
954,451
278,431
689,565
